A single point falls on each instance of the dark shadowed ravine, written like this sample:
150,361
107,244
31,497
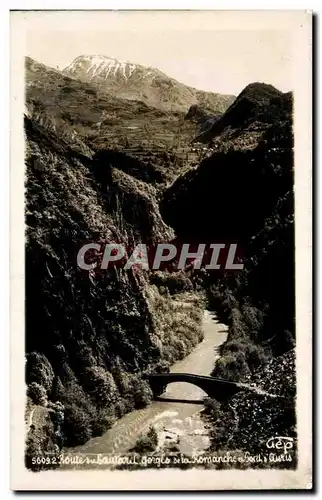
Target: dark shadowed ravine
178,420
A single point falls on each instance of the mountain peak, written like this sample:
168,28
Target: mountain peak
136,82
259,92
258,102
99,66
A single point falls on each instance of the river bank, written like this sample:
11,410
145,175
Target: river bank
179,420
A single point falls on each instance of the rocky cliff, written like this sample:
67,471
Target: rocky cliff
90,336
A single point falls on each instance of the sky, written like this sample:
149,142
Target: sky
209,52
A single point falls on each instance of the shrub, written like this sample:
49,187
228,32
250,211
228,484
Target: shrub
162,367
122,380
142,393
120,408
153,436
255,356
174,282
102,422
77,425
253,320
177,322
232,367
37,393
233,346
238,327
243,354
39,369
100,385
58,390
148,443
84,356
180,349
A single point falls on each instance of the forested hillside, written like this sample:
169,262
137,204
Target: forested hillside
90,337
103,168
246,195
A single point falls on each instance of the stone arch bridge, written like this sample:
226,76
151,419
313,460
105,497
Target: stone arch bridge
219,389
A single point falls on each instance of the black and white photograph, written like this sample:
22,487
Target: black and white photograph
162,324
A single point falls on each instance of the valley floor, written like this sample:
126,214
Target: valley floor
175,420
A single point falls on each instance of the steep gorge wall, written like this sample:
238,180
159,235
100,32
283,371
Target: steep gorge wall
247,197
90,336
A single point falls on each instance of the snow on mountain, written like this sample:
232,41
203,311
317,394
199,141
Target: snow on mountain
105,67
150,85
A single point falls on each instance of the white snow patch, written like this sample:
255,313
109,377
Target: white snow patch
102,64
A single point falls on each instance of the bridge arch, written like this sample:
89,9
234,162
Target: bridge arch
219,389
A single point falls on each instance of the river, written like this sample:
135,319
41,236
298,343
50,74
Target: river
177,421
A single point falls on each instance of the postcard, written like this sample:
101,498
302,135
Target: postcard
161,233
